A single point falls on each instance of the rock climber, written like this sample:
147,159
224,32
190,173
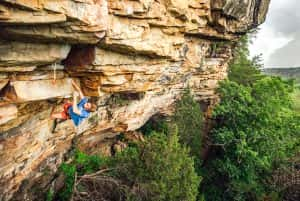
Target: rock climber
76,112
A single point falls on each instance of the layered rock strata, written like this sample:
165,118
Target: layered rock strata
132,57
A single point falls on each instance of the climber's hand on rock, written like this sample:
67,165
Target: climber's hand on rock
75,94
77,88
75,85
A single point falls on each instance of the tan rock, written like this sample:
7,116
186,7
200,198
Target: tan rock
17,68
11,15
3,83
116,79
40,75
29,54
7,113
119,146
107,58
137,37
130,8
52,20
28,147
38,90
87,59
25,112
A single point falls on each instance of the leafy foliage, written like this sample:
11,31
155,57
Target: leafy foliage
257,131
160,168
82,164
296,99
158,124
69,172
243,70
50,195
188,118
157,169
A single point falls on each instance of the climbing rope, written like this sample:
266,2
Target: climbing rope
54,73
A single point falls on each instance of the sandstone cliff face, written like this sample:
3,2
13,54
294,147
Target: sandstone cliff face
133,57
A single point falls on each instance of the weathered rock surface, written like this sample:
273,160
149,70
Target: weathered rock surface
22,91
133,58
14,54
71,21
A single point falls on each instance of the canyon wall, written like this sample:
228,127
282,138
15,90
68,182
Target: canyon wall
132,57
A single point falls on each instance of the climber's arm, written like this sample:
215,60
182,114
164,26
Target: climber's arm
75,107
77,88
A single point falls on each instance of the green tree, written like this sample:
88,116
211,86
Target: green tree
188,118
255,132
160,168
242,69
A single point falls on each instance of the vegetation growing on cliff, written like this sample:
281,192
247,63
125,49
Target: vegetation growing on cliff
157,169
256,132
188,119
296,99
243,70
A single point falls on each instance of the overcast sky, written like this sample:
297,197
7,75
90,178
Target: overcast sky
279,37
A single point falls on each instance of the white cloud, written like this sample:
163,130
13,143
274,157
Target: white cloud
267,42
281,27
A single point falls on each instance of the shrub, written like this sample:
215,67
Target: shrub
188,118
158,124
50,195
69,172
255,132
81,164
159,169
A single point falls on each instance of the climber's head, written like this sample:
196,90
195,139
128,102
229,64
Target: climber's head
91,107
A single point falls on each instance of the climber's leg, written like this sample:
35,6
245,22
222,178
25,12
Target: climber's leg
64,114
53,126
58,116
